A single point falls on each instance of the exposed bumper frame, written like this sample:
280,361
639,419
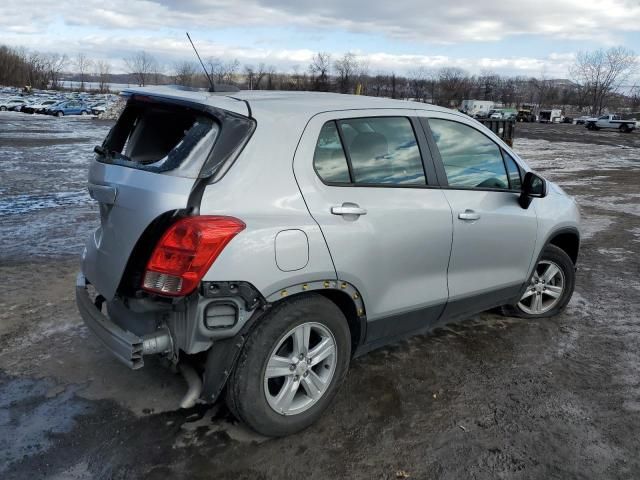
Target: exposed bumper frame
124,345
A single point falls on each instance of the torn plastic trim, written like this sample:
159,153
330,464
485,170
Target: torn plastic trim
316,285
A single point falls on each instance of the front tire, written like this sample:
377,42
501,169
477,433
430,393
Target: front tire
549,289
60,114
291,367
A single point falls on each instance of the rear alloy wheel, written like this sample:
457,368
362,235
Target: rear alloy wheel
84,112
550,287
624,128
300,369
291,366
60,114
3,108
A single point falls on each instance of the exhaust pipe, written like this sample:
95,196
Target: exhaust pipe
194,383
157,342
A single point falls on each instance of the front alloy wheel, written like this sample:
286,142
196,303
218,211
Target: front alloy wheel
550,287
545,289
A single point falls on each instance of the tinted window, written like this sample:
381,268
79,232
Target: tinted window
513,171
383,150
329,159
470,158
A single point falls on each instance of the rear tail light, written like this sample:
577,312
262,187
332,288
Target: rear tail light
186,251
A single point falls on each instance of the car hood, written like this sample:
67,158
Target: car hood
555,189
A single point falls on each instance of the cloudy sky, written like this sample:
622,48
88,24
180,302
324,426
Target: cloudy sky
530,37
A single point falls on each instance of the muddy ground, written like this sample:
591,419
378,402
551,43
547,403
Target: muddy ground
490,398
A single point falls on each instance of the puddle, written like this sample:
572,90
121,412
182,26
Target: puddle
31,414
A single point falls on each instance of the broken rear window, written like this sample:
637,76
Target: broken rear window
159,137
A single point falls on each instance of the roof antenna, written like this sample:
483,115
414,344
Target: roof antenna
212,88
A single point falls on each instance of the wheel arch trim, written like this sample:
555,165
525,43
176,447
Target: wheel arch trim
548,241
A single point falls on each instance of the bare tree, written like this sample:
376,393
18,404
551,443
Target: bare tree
296,82
103,70
249,75
320,69
261,72
231,69
223,72
157,75
270,74
140,66
185,73
82,65
56,64
602,72
634,95
422,84
36,69
452,83
489,85
346,68
362,77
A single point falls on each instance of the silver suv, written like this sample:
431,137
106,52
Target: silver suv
261,240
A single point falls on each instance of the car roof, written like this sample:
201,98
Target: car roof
269,103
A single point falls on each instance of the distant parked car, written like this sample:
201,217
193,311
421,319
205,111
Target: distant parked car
98,108
503,114
611,121
38,106
69,107
12,104
582,120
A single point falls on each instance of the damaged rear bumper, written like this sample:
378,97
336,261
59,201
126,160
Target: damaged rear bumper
124,345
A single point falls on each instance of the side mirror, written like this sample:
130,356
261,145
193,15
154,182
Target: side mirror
533,186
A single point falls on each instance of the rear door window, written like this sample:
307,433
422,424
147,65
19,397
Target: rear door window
369,151
329,158
383,150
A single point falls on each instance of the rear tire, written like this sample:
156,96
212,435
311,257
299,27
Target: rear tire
60,114
254,396
3,108
624,128
549,289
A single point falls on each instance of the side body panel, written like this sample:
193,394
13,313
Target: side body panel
261,190
397,253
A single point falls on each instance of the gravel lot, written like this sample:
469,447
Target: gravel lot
490,398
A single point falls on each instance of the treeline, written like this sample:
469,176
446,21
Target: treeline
599,79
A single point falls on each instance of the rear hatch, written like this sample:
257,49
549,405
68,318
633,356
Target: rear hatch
150,170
